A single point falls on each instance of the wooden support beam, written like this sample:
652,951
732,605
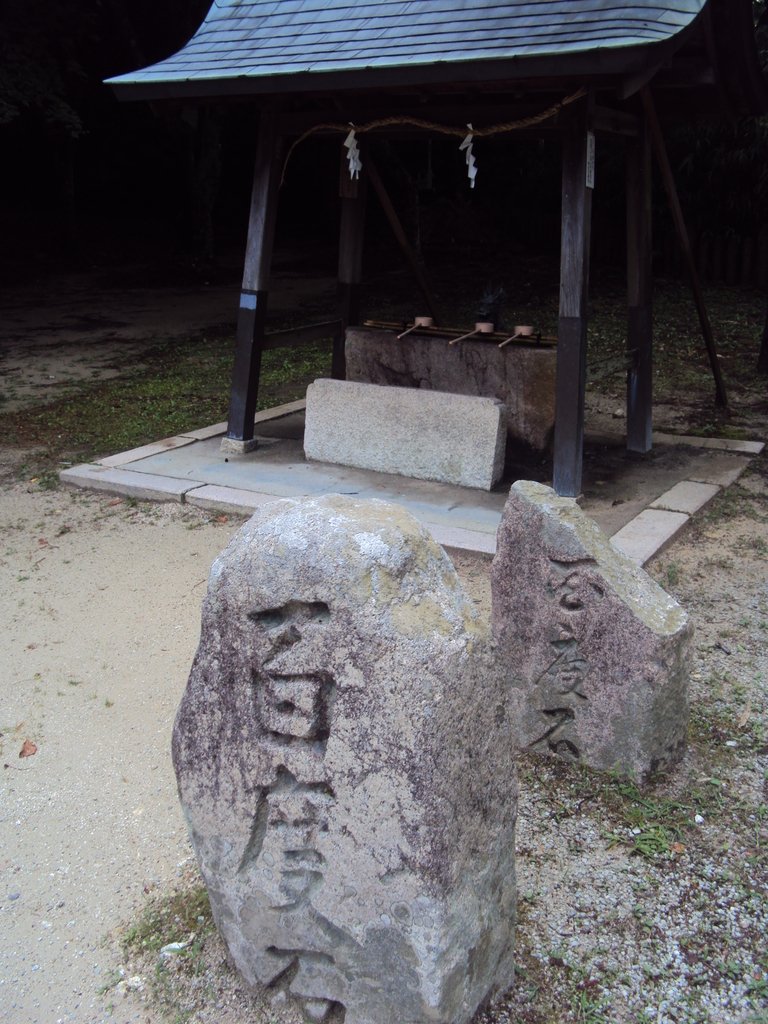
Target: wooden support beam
662,159
351,235
639,295
294,337
616,122
574,284
251,318
633,83
402,240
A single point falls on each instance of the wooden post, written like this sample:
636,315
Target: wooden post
574,283
351,234
762,359
251,320
639,294
662,158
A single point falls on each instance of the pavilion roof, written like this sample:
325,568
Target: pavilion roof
284,45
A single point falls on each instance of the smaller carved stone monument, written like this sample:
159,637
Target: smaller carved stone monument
595,652
346,769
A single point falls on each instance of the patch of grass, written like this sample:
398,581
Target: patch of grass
181,917
185,386
47,479
170,917
642,819
712,725
673,574
650,825
752,546
111,979
588,1006
710,429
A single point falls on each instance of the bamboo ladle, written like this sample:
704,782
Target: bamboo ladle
482,327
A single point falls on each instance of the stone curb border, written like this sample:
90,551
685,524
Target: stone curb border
656,527
641,539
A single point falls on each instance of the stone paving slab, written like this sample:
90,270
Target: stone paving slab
465,540
228,499
725,444
237,501
121,481
276,412
190,467
204,433
648,533
145,451
688,496
722,475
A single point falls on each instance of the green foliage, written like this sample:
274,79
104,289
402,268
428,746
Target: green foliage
721,166
171,933
681,368
170,918
41,71
760,11
673,574
650,824
723,175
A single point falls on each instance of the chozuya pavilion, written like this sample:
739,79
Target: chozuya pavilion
579,67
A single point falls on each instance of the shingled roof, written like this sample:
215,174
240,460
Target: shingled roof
279,43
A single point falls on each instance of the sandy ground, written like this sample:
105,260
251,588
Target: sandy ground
99,609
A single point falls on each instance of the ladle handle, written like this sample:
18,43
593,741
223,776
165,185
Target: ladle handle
455,341
512,337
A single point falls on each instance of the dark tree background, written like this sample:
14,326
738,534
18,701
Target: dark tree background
82,175
85,180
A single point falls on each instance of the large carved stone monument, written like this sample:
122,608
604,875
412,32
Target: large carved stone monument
594,651
345,765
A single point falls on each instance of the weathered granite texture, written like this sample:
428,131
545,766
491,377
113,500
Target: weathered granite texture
345,766
596,653
426,435
521,377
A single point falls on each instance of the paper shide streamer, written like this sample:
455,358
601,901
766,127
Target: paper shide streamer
471,162
353,155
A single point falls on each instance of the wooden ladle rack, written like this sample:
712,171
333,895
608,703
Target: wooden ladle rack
459,334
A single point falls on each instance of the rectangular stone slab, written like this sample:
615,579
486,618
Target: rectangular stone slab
427,435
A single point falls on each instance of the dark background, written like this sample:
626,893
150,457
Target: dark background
88,182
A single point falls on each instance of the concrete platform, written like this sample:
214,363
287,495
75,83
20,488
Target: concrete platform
672,483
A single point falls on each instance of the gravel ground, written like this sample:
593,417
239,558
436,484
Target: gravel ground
652,906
